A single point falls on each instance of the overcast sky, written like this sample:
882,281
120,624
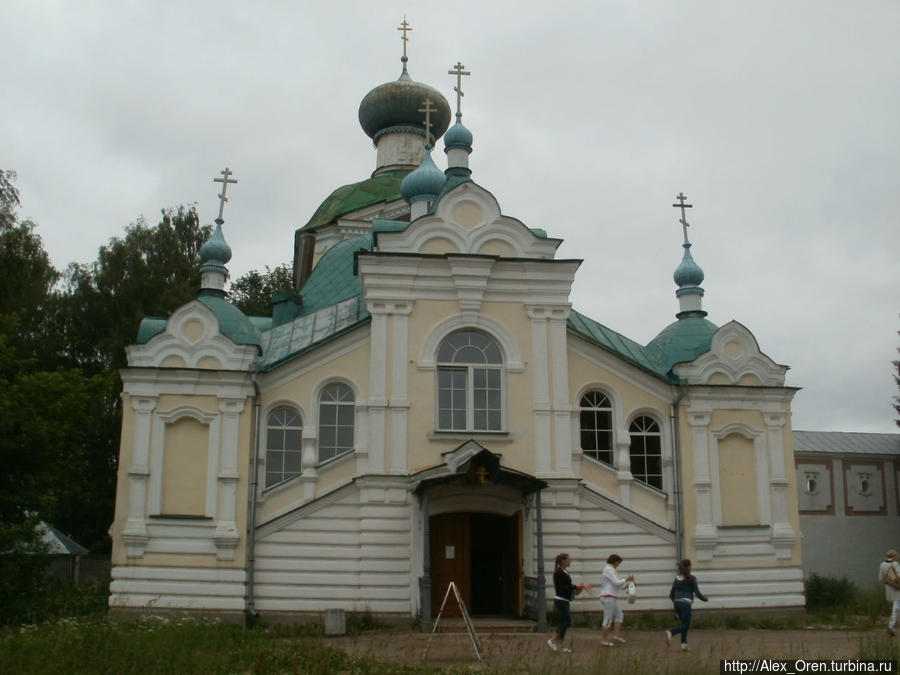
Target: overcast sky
780,121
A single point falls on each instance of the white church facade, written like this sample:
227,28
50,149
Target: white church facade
427,407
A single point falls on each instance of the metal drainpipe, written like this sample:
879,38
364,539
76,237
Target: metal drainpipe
676,493
250,612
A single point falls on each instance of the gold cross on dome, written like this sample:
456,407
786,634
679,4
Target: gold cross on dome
225,180
404,28
459,71
681,205
427,110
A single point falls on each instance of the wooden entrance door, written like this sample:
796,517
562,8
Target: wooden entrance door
450,561
482,553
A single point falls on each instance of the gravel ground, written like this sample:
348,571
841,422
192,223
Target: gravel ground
644,652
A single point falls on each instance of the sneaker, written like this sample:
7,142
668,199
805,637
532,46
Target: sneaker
685,648
618,639
668,638
552,645
606,643
567,650
891,631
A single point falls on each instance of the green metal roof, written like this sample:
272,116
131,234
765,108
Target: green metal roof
233,323
333,279
680,342
385,187
613,342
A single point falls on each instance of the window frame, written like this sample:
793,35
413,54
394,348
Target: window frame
644,434
492,372
597,407
321,427
284,428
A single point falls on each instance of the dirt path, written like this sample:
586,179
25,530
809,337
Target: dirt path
644,652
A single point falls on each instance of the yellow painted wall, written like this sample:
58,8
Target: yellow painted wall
737,481
173,481
185,461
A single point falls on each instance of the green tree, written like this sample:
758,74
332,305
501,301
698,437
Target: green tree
252,292
26,281
150,272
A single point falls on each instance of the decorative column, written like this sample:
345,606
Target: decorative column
783,535
562,408
399,400
135,533
377,385
308,461
705,532
541,387
227,536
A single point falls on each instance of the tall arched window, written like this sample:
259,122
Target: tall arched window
646,451
283,432
595,413
470,383
337,419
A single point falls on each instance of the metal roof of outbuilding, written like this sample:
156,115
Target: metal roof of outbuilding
846,442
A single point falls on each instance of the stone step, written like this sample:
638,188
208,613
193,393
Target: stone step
485,625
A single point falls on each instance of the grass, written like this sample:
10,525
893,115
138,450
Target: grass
76,636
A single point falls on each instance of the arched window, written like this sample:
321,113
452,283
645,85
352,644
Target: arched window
337,419
646,451
596,426
470,383
283,432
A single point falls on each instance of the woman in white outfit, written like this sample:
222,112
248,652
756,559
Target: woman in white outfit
611,587
891,593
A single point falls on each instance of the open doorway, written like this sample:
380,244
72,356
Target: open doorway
482,554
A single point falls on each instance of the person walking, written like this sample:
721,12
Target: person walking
565,592
684,588
610,588
889,575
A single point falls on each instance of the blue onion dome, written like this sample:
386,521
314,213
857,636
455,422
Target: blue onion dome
458,136
688,273
423,183
216,250
394,106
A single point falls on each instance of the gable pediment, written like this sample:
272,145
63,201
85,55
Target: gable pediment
734,358
467,220
192,339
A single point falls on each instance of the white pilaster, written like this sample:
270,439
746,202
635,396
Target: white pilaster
135,533
227,536
705,535
377,386
541,388
399,400
783,534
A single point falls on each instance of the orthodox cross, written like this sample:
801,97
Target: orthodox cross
681,205
459,72
427,110
225,180
404,28
481,475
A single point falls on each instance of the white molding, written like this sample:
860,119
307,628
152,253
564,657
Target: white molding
512,358
734,353
174,341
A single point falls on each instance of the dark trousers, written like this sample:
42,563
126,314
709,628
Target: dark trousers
565,617
683,610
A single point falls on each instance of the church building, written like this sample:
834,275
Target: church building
427,406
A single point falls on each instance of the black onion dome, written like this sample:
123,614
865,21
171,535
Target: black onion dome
397,104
